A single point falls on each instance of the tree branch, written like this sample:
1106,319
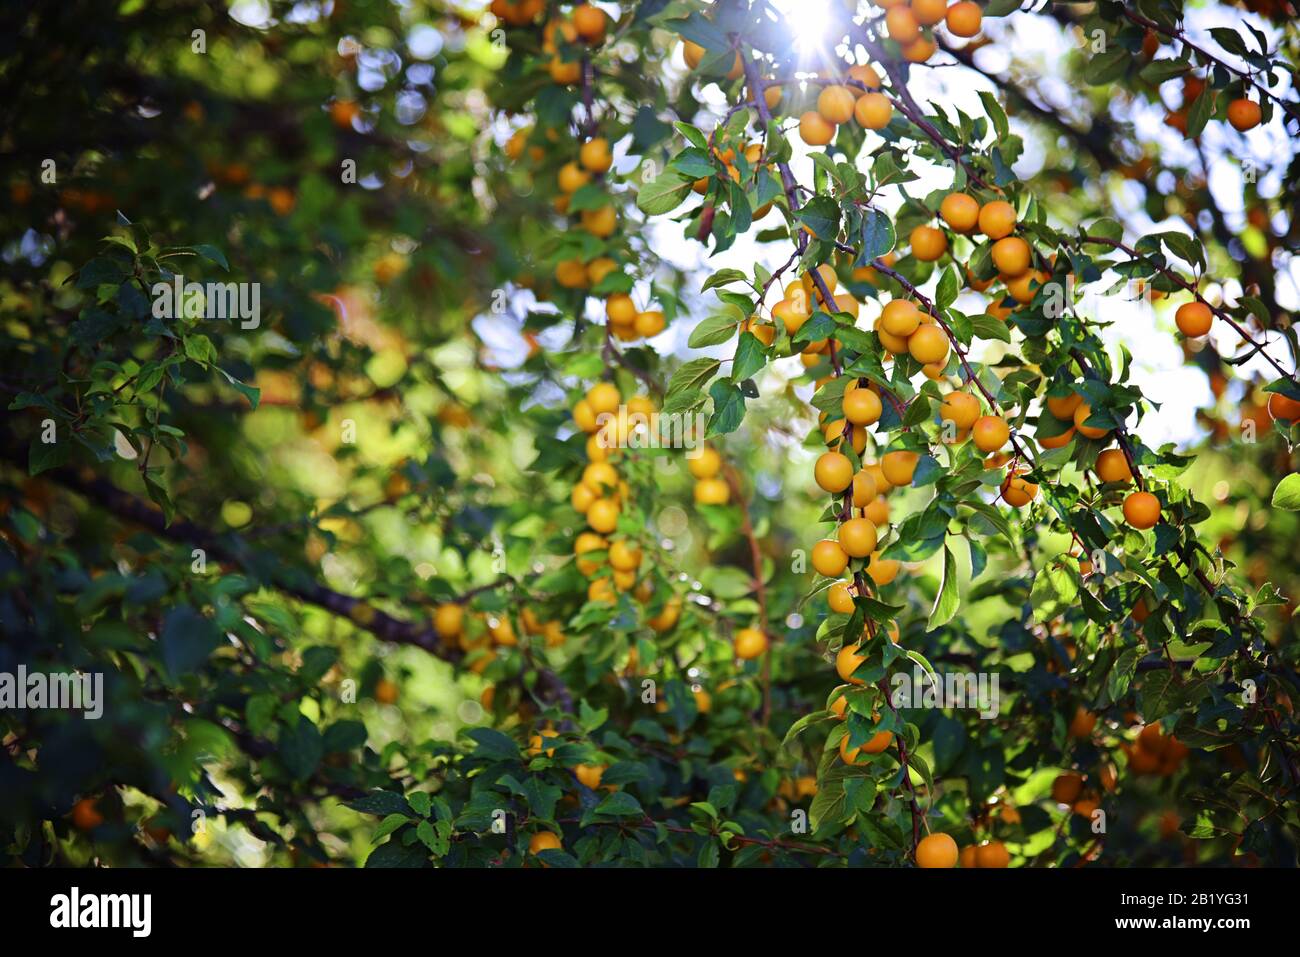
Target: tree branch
383,626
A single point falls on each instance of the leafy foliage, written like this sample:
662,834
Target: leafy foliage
355,583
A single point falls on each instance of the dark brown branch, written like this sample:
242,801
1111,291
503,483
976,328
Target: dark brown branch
101,492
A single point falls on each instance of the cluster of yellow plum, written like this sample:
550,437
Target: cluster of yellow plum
484,631
542,742
599,496
1065,414
908,23
754,159
1011,255
1070,413
963,410
594,159
586,28
934,850
989,854
792,790
905,329
839,709
706,469
997,220
865,516
1155,752
859,100
1152,752
576,274
796,308
990,434
550,629
600,492
626,322
1068,789
594,156
712,489
694,55
517,14
502,631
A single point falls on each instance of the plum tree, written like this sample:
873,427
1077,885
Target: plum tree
401,559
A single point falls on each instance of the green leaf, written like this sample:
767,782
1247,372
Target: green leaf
854,338
878,237
722,277
1203,108
948,599
396,854
249,392
728,408
801,725
1185,248
821,215
493,745
1106,228
949,737
212,254
388,825
1230,40
199,348
301,749
186,641
588,197
713,331
1287,493
1055,588
1121,673
436,839
918,411
620,804
693,375
647,130
683,401
743,304
692,135
706,807
101,271
995,113
701,30
159,496
420,802
819,327
1159,694
259,712
751,356
381,802
1157,71
663,194
1108,66
949,285
831,395
344,736
42,456
1000,8
988,327
994,517
591,718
